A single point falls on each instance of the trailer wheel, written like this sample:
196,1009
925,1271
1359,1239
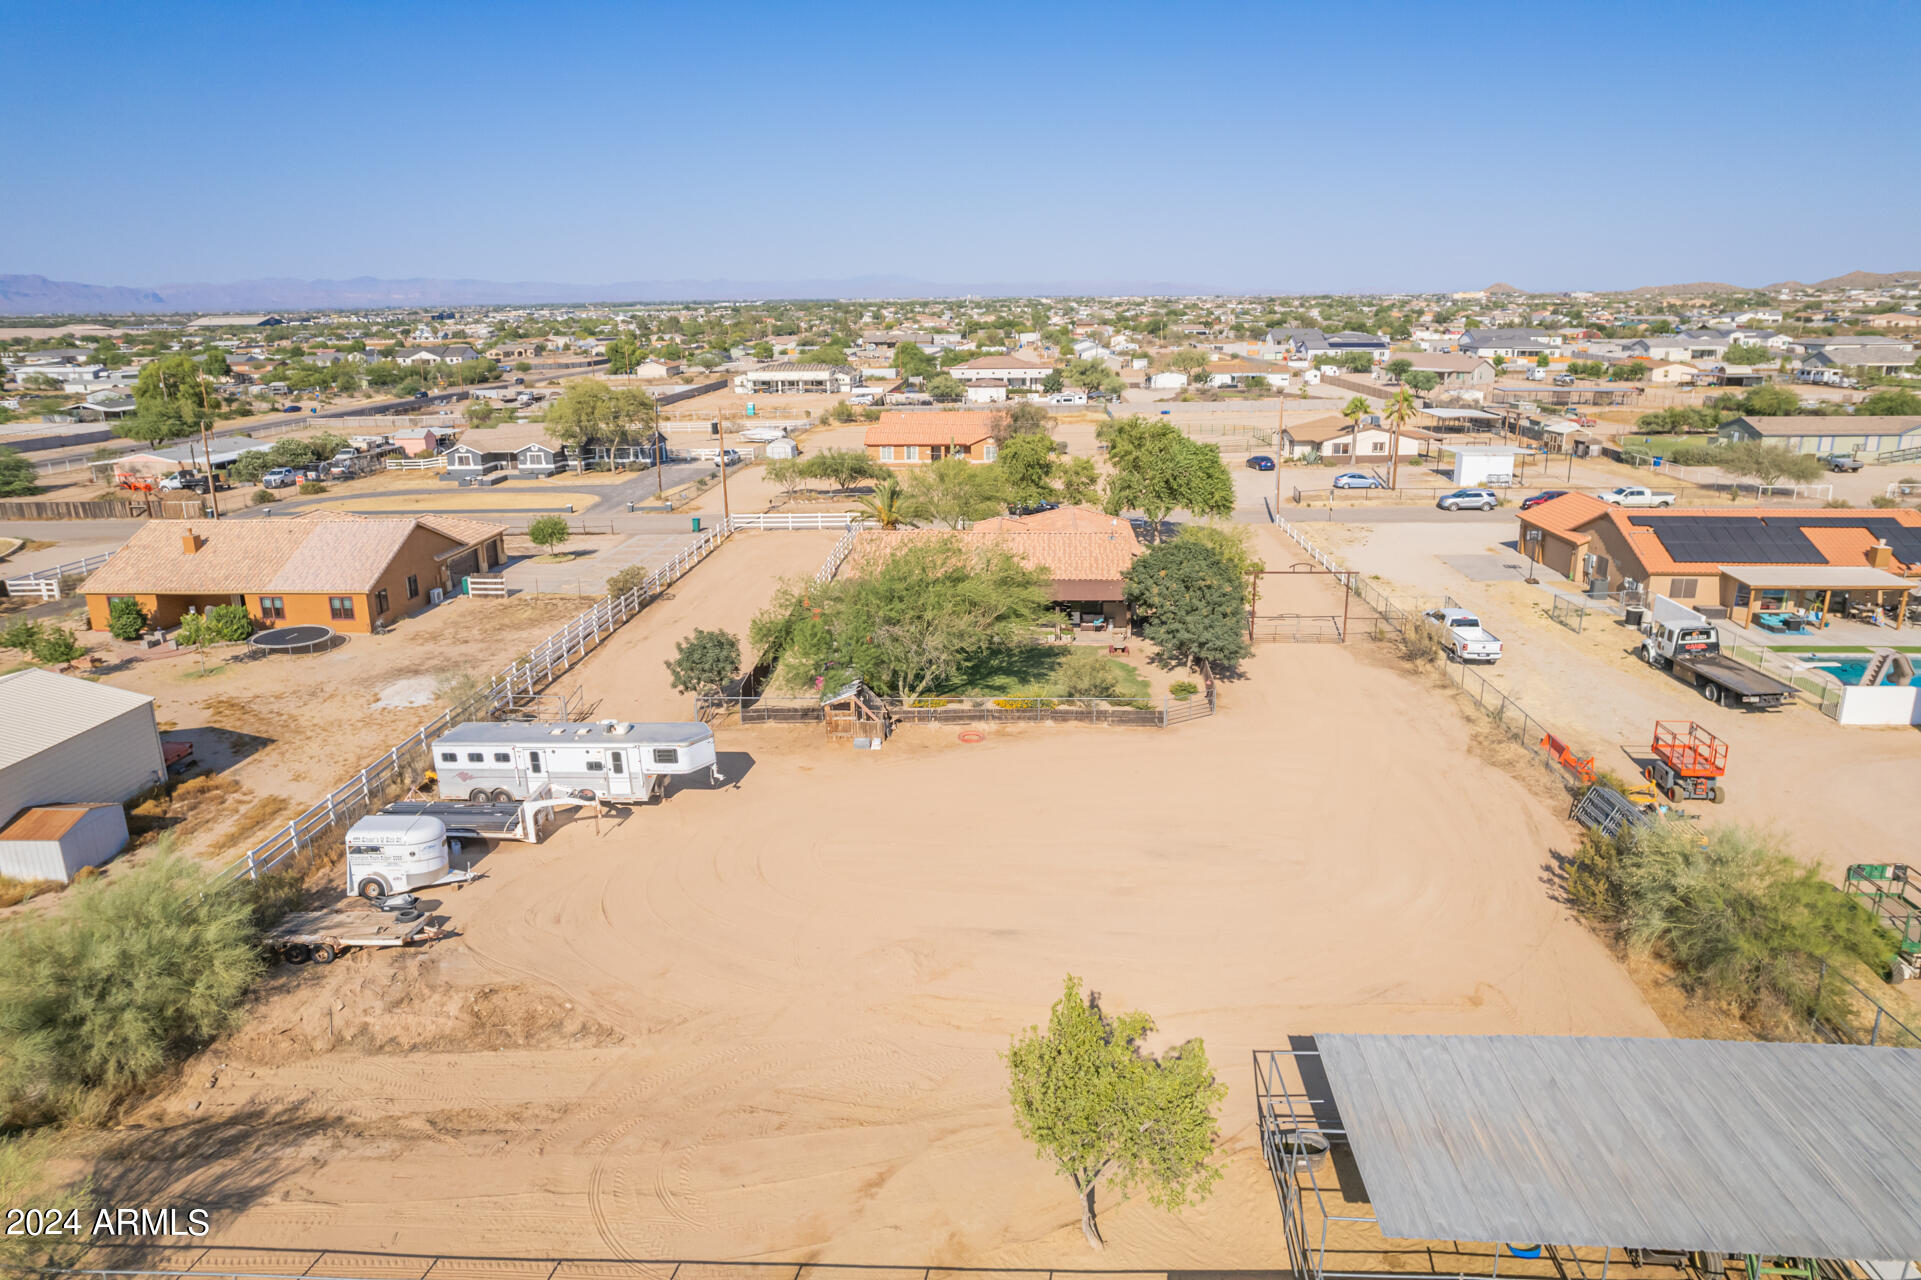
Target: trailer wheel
478,795
1712,692
502,796
296,953
323,954
372,889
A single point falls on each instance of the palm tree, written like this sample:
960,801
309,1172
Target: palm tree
1397,411
886,504
1354,410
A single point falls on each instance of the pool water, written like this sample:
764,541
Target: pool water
1845,667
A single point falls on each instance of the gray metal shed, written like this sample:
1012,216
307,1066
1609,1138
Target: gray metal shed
53,842
65,740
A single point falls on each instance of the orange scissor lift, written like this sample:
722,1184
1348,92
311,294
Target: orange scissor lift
1688,762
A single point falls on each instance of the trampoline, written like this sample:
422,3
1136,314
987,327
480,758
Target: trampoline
295,639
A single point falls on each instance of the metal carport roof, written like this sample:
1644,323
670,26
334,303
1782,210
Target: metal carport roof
1792,1150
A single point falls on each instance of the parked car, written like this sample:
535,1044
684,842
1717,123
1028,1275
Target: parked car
1463,636
279,478
1261,462
185,480
1843,462
420,395
1356,480
1563,379
1469,500
1546,495
290,408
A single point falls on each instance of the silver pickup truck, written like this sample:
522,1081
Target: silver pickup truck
1463,636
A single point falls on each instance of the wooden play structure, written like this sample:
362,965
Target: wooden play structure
853,712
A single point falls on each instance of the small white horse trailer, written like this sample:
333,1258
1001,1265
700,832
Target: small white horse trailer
608,759
393,853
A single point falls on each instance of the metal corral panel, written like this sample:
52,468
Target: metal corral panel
64,740
1792,1150
52,843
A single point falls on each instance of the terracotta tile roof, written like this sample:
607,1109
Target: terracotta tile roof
462,529
1078,561
940,427
1074,519
1834,541
318,552
1561,515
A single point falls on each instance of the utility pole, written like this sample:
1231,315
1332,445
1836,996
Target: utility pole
1280,425
726,511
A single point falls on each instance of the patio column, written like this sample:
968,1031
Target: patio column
1826,597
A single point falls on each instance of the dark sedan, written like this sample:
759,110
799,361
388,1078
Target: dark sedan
1261,462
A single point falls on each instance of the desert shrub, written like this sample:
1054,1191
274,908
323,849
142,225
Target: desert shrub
1087,673
223,623
129,975
126,619
312,486
21,634
56,645
1182,690
261,497
1883,501
456,688
13,892
621,581
1418,645
704,661
1742,922
24,1183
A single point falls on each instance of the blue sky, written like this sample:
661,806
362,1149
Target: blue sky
1243,147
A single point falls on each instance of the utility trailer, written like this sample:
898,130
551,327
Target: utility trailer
1676,638
320,936
411,844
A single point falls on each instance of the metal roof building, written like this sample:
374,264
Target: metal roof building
1782,1150
69,741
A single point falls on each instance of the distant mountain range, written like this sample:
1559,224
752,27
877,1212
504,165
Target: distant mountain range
37,295
1852,280
30,295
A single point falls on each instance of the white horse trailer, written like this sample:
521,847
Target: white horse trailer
609,759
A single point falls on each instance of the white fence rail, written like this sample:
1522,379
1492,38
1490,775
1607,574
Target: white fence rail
799,520
487,585
837,557
36,581
547,662
436,463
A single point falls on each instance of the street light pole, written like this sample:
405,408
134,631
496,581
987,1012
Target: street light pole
726,511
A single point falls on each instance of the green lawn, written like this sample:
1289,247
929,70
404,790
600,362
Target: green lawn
1031,670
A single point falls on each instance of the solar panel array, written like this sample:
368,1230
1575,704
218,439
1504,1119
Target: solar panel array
1768,539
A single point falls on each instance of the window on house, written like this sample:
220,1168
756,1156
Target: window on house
380,601
887,453
910,453
413,587
990,451
341,607
1683,588
273,608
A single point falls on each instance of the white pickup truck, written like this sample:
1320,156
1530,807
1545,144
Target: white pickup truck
1635,495
1463,636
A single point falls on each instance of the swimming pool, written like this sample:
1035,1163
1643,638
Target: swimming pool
1846,668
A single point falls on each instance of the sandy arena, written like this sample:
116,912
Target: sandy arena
763,1021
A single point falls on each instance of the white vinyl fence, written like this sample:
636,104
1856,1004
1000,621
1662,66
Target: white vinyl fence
799,520
45,583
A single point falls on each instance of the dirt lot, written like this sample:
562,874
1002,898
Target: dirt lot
762,1021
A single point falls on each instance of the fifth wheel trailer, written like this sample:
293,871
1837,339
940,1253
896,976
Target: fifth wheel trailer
611,759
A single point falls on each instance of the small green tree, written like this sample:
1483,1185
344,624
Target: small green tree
622,581
954,491
1399,367
56,645
1087,673
228,623
548,532
1158,471
1423,380
1190,604
704,661
1104,1111
1747,353
125,618
1891,401
1768,402
18,479
945,386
